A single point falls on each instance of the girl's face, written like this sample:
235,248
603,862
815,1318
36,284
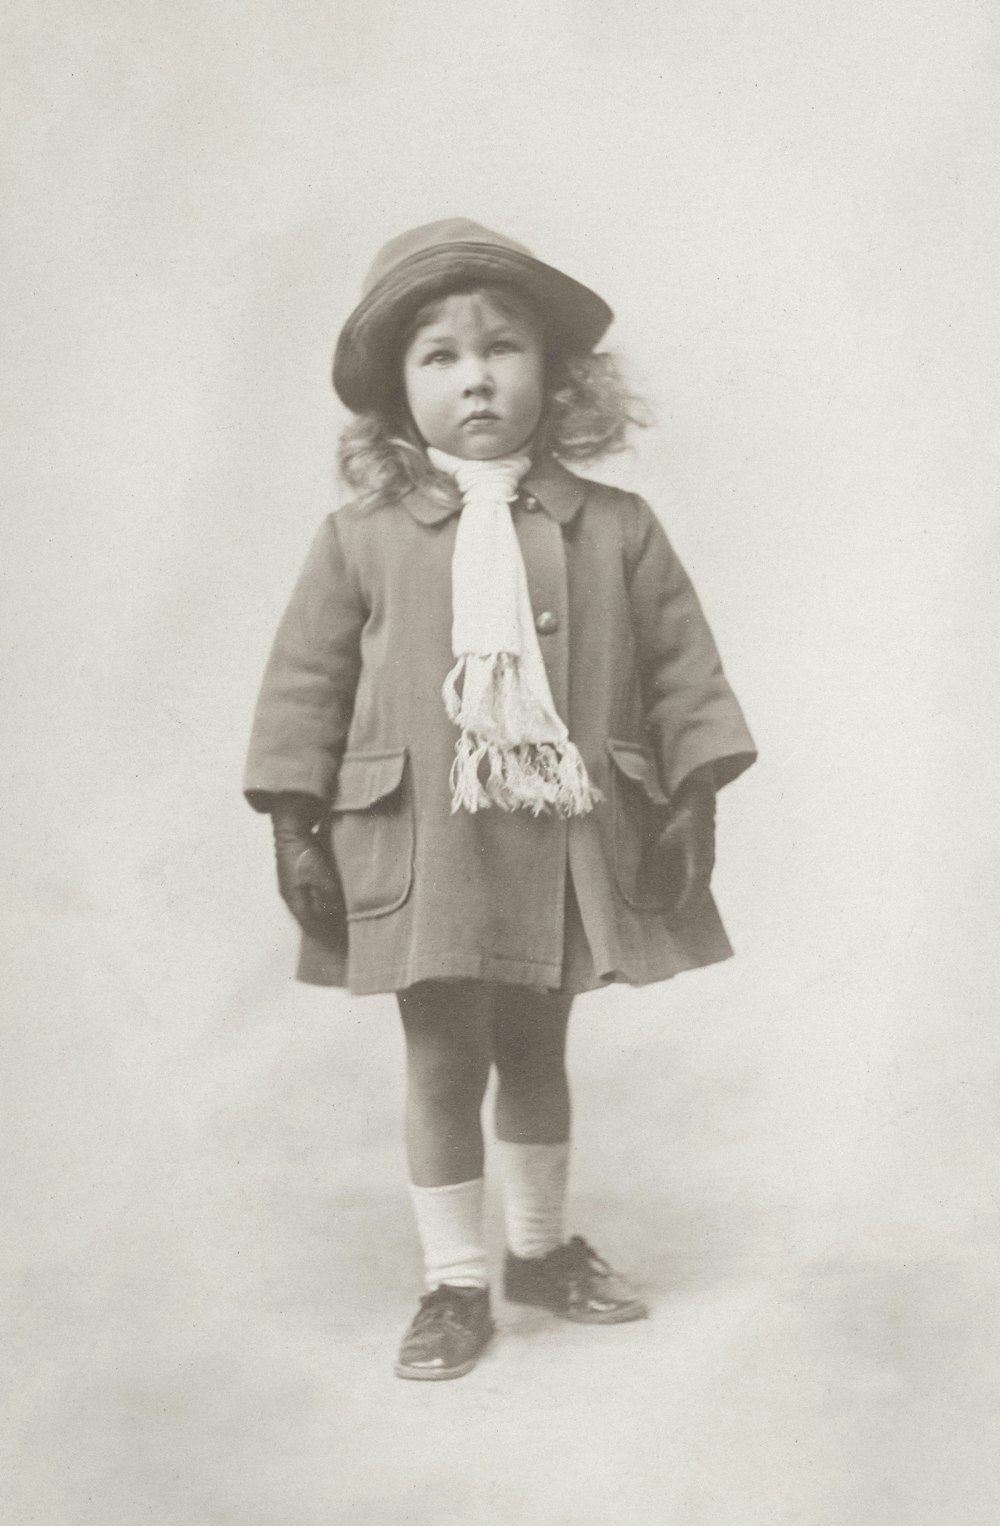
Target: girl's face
473,373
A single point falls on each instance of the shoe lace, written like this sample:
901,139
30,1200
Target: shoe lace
579,1264
443,1305
581,1260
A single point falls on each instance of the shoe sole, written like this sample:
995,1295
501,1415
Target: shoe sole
622,1316
440,1374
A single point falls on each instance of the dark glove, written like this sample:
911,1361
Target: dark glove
684,854
307,878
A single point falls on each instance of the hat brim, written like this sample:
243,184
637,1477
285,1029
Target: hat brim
365,366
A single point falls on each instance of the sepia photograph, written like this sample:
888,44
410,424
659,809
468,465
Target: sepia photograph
501,847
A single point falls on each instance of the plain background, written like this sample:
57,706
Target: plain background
793,210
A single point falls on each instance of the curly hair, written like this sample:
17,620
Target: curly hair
588,412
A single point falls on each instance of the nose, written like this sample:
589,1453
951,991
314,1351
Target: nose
476,378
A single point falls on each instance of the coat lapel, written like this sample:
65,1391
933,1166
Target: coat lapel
559,491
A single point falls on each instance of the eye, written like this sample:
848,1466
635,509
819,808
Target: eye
437,358
504,347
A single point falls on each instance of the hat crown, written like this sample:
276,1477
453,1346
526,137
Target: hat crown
450,230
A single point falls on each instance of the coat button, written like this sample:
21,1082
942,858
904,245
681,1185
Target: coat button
529,503
546,624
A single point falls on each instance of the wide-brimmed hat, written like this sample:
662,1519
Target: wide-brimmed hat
432,260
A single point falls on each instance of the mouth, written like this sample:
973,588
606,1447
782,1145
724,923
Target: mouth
482,416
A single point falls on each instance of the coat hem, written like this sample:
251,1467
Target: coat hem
544,977
515,972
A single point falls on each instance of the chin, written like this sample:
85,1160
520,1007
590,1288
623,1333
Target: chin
491,450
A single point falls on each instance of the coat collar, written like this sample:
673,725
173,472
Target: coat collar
559,491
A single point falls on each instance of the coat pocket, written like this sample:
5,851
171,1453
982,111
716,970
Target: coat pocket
372,831
639,812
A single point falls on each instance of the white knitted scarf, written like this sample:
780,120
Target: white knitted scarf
498,692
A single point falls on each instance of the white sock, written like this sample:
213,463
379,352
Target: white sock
450,1225
535,1177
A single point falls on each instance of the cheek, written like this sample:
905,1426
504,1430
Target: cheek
421,394
533,395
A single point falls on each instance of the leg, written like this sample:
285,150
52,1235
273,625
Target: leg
532,1115
447,1067
532,1125
448,1062
529,1050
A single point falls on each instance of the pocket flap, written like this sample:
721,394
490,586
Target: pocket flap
366,778
638,764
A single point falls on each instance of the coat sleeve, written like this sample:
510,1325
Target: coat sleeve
307,695
692,715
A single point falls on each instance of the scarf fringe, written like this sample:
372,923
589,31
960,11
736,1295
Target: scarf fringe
495,714
537,777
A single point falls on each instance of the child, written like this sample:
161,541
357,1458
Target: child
489,737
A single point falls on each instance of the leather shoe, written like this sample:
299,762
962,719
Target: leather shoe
575,1283
450,1329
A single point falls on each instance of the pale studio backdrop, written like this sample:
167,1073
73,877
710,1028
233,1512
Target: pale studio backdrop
792,209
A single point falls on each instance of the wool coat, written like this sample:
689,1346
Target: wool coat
350,711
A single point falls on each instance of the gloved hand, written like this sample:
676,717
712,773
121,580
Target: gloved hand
307,878
684,854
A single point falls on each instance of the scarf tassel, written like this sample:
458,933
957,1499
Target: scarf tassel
488,769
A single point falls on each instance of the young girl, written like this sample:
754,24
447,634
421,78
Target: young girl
489,738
